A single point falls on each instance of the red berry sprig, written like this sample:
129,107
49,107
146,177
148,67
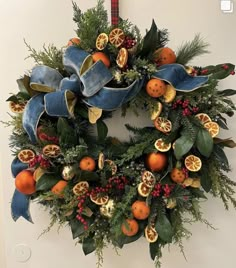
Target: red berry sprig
39,159
129,42
185,105
164,190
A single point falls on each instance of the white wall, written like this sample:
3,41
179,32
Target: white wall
42,21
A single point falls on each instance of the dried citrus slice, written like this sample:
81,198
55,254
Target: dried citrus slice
112,165
122,57
161,146
148,178
81,188
196,183
116,37
193,163
151,234
162,124
143,189
213,128
101,41
26,155
156,111
169,94
204,118
51,150
171,203
187,182
99,198
101,161
17,107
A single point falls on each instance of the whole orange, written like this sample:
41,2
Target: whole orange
155,88
73,41
177,175
87,163
130,227
164,55
140,210
101,56
25,182
156,161
59,187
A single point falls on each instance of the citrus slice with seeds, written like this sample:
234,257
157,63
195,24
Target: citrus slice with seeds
99,198
101,41
143,189
162,124
169,94
26,155
187,182
156,111
101,161
112,165
122,57
213,128
116,37
151,234
196,183
148,178
51,150
204,118
161,146
17,107
81,188
193,163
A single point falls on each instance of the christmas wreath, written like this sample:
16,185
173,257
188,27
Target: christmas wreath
107,190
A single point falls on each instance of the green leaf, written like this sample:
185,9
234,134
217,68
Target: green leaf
77,228
88,245
164,228
227,92
197,193
47,181
220,154
153,249
225,142
182,146
86,175
13,98
102,130
204,142
206,181
218,72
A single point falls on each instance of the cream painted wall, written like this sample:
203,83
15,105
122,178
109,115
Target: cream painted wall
42,21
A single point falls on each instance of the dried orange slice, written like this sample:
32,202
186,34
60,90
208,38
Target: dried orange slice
213,128
143,189
26,155
193,163
148,178
169,94
162,124
161,146
101,41
122,57
116,37
112,165
99,198
101,161
81,188
51,150
17,107
151,234
156,110
204,118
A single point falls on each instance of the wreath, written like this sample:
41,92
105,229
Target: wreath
107,190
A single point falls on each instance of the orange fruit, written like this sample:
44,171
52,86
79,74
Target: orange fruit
130,227
143,189
161,146
156,110
169,94
101,56
155,88
177,175
99,198
112,165
204,118
148,178
26,155
163,124
81,188
213,128
156,161
164,55
17,107
75,41
122,57
116,37
59,187
101,41
193,163
151,234
25,182
51,150
140,210
87,163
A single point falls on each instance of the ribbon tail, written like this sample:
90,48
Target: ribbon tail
20,206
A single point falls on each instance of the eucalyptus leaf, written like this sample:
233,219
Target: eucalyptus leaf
47,181
164,228
204,142
227,92
88,245
77,228
206,181
102,130
182,146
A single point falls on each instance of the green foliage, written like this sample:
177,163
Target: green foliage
164,228
47,181
182,146
204,142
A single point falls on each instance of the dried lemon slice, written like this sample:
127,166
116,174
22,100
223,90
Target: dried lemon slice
161,146
143,189
122,57
101,41
162,124
193,163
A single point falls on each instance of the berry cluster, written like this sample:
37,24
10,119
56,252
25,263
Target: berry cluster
79,217
45,137
226,67
162,189
185,171
39,160
185,106
129,42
